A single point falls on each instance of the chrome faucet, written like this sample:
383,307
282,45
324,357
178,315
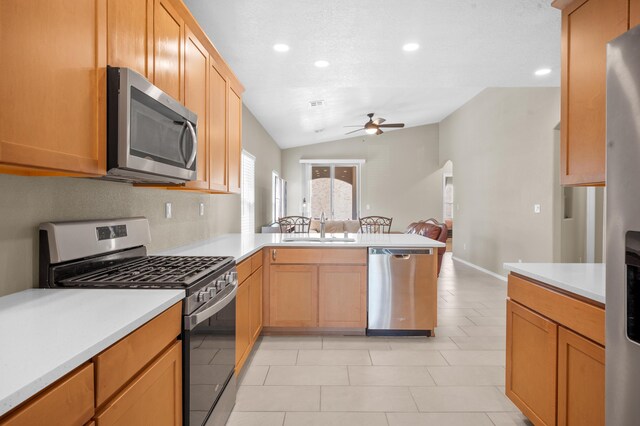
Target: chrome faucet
323,219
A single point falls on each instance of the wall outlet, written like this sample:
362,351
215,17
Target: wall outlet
536,208
168,211
519,260
201,209
368,207
464,246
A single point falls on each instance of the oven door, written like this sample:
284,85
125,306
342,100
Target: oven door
209,348
149,131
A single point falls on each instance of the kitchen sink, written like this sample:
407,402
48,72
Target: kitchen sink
318,240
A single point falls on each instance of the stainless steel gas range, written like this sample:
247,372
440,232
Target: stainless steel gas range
113,254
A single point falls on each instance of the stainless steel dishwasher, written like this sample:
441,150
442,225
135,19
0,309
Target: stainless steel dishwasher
399,301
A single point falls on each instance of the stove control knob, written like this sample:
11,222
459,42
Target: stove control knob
233,277
220,284
212,291
203,296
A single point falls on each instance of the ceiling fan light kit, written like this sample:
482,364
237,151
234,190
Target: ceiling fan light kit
373,127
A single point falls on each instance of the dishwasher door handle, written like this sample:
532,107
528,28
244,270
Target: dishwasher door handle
402,256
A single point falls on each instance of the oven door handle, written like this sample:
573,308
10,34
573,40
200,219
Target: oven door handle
206,312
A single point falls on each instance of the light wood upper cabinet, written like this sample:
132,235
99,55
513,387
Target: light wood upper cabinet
587,27
130,34
168,45
52,88
342,293
581,377
217,129
234,109
293,296
154,397
531,363
196,68
634,13
255,304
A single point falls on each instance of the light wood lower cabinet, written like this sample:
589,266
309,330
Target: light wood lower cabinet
255,304
154,397
342,296
580,380
243,331
554,372
67,402
248,307
293,295
531,363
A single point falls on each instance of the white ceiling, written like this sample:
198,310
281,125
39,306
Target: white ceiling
465,46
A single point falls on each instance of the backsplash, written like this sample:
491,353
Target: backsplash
25,202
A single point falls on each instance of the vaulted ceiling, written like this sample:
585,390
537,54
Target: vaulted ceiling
464,47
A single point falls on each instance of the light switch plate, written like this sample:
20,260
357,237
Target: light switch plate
201,210
168,211
536,208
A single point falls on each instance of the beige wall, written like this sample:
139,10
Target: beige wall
258,142
401,177
27,201
502,147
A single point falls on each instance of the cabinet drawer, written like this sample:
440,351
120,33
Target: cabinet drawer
333,256
69,401
577,315
119,363
244,270
153,398
256,261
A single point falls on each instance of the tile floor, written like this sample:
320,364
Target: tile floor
454,379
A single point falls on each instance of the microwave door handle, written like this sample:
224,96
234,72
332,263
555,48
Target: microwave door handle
192,158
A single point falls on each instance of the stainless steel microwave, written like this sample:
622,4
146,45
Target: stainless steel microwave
151,137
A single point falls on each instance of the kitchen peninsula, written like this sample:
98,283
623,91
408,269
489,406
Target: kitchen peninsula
295,284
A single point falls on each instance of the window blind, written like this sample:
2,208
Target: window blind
248,196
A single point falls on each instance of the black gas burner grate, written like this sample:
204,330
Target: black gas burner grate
151,271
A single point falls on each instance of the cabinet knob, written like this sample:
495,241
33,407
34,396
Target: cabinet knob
274,252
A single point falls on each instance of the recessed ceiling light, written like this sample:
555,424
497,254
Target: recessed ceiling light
321,63
411,47
543,71
281,47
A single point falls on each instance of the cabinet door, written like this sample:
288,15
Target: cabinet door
531,363
53,85
255,301
153,398
580,380
293,296
342,296
69,401
218,151
243,332
130,34
168,44
587,27
634,13
235,140
196,67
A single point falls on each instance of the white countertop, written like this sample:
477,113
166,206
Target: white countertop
46,333
583,279
241,246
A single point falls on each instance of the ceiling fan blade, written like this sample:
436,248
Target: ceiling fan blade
392,125
378,121
379,132
353,131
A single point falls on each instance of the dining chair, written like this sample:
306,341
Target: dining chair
375,225
294,224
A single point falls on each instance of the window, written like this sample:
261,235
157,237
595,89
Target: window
248,196
279,197
332,187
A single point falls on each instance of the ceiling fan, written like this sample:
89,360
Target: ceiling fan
374,127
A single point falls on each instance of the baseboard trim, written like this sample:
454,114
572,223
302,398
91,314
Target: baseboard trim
481,269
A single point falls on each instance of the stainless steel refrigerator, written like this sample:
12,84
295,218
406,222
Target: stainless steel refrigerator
623,231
